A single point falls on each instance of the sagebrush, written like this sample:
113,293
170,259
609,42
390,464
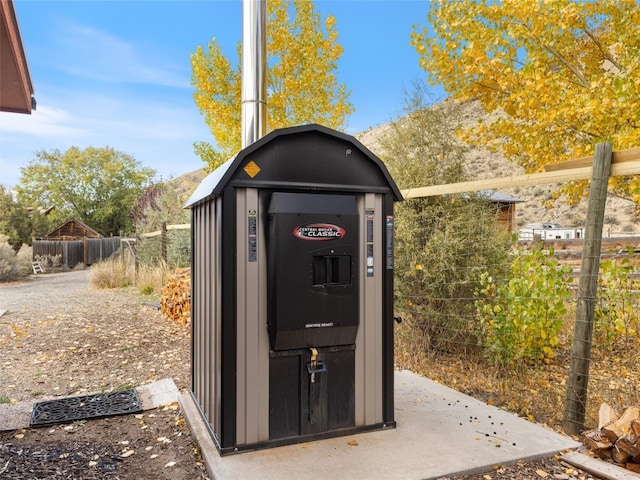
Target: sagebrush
13,266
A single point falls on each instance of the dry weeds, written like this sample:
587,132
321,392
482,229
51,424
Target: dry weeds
535,392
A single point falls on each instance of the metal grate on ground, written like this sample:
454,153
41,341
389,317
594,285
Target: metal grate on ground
84,407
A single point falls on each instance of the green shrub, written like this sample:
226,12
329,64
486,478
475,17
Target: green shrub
442,246
442,243
521,318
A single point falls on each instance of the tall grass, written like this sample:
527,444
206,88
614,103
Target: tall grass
116,273
151,278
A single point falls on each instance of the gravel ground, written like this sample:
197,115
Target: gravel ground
58,336
61,337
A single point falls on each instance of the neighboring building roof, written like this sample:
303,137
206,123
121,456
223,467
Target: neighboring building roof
16,89
73,229
495,196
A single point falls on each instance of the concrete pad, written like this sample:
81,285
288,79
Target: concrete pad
439,432
15,416
157,394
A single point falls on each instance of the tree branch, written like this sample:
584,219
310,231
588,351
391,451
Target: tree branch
604,52
576,72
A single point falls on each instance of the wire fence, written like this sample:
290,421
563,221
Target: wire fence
508,319
170,246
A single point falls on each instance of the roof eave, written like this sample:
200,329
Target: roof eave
16,92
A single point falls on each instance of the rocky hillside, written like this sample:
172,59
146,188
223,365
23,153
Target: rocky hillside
619,215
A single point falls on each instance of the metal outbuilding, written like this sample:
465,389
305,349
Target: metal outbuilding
292,291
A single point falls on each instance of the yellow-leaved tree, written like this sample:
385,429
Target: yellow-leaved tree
302,85
566,74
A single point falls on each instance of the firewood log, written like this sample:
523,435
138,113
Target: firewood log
629,443
622,425
606,415
599,444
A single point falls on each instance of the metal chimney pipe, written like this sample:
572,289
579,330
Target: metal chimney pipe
254,70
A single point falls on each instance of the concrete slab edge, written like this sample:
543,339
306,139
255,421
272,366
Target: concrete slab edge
200,433
15,416
158,394
598,468
488,467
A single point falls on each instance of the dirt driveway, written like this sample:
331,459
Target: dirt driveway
59,336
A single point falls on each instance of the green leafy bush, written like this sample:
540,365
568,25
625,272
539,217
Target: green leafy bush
442,246
521,318
442,243
160,203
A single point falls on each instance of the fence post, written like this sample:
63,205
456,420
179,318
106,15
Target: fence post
121,246
576,396
164,242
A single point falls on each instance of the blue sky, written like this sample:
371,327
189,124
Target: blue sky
117,73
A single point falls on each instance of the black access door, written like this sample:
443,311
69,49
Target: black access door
312,291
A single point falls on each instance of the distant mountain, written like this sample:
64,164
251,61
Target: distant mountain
187,182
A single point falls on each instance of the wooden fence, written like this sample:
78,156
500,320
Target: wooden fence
73,252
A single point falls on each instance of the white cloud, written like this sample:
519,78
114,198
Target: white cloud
45,122
158,133
91,53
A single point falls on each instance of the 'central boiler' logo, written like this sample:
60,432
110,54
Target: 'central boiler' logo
318,232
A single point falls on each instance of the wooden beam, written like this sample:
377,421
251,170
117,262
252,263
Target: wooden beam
180,226
624,168
630,155
598,468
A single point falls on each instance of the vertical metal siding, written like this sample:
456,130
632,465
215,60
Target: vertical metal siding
215,230
387,315
206,311
252,415
206,343
369,386
198,309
